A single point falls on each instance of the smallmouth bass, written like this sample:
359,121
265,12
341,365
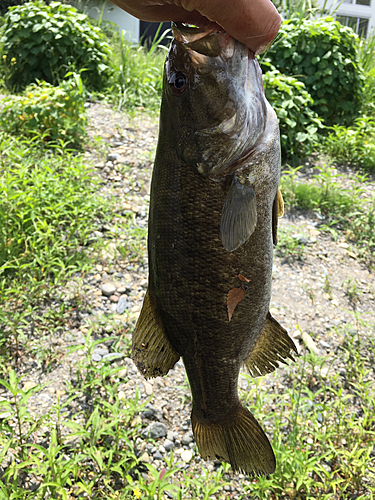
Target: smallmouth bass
214,208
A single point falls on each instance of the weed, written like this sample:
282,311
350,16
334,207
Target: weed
55,114
327,286
137,74
353,145
45,213
350,285
344,205
323,447
290,244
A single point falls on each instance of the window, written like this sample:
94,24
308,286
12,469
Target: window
359,25
358,2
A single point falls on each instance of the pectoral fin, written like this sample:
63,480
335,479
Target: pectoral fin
239,215
152,351
274,346
277,211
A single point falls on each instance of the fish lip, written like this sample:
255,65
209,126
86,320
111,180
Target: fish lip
189,29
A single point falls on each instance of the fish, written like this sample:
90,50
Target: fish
214,208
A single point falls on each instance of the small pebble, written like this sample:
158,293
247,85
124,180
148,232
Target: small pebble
108,288
156,430
122,305
187,455
168,445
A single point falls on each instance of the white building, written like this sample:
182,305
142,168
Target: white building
103,9
358,14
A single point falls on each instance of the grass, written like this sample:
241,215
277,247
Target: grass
324,426
137,74
46,214
347,206
318,411
94,452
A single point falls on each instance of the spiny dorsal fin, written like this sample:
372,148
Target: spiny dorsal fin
241,442
273,347
152,351
239,215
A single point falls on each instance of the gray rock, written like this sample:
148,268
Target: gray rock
113,356
96,357
122,305
302,240
171,436
149,411
156,430
168,445
102,351
112,156
108,288
187,438
157,455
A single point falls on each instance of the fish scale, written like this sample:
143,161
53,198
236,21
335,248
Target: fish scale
214,205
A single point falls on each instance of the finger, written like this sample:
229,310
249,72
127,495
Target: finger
253,22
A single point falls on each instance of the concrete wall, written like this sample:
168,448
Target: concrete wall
107,10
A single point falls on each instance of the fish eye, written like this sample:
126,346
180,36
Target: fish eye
179,83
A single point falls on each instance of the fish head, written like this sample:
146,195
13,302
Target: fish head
213,99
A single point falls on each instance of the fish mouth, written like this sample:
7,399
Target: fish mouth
209,42
185,33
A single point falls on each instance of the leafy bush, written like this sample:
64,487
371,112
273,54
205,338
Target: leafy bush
56,113
46,41
299,125
323,54
46,209
353,145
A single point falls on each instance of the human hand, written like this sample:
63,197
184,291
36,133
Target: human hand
255,23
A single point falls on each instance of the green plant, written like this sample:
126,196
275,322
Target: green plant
345,206
290,244
46,214
137,74
44,42
55,113
353,145
299,125
324,55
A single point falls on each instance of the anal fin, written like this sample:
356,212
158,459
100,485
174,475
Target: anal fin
274,346
239,215
240,441
152,351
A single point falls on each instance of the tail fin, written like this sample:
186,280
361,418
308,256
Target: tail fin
241,442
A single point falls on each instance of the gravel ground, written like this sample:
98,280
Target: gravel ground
309,295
